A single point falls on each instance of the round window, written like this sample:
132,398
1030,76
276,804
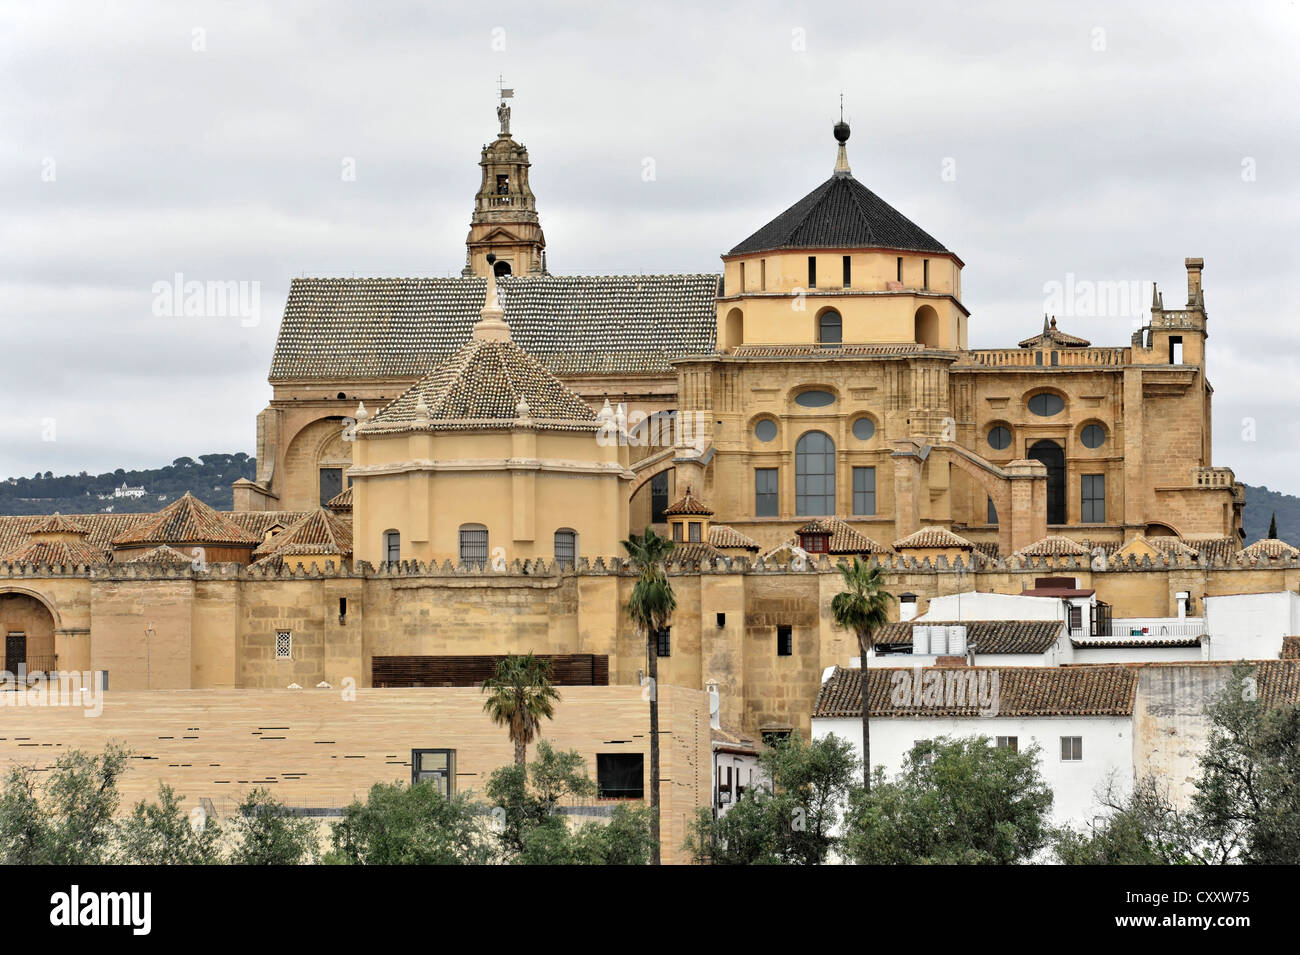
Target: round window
765,430
1046,405
815,399
864,429
1093,436
999,438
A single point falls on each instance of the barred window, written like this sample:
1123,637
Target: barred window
664,642
283,645
566,546
473,544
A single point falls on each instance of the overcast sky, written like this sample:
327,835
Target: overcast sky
142,140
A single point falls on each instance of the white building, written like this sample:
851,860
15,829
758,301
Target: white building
735,759
1081,718
1251,626
125,491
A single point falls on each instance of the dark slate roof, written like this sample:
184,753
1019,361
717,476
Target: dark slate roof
344,328
986,636
841,213
1022,691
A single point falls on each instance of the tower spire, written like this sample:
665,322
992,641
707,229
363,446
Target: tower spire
841,130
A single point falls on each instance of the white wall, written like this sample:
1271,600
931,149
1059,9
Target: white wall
981,606
1251,626
744,770
1107,749
1136,654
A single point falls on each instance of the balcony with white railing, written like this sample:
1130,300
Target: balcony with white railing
1143,628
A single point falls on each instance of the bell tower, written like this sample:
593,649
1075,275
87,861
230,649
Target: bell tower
505,221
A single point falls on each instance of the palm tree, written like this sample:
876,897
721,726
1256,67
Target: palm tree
521,695
863,607
651,606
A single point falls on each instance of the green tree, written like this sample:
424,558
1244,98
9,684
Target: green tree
957,801
162,833
651,606
412,825
267,833
521,696
789,818
1272,526
862,607
64,817
1247,798
1141,828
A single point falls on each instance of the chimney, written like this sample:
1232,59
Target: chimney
1194,267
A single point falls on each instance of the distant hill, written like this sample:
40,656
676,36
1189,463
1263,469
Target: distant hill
1261,504
207,477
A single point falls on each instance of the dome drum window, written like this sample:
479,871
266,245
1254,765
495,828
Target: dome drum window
765,430
864,429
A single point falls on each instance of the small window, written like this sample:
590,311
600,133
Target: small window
848,271
695,532
1093,436
812,271
900,269
677,532
331,484
864,491
766,502
864,429
992,513
283,645
815,543
1175,349
784,640
1071,749
503,185
658,497
1009,742
473,544
1092,498
437,766
830,329
392,546
925,273
742,277
620,776
999,438
566,547
762,275
765,430
1075,617
343,608
1046,405
664,642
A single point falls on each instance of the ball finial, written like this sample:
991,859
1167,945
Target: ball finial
841,132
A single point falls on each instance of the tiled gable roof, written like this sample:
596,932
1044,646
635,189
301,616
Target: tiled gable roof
481,386
724,535
1269,547
320,532
688,505
1215,548
348,328
1022,691
986,636
844,538
691,553
1054,546
1051,335
187,520
933,537
65,552
841,213
56,523
162,554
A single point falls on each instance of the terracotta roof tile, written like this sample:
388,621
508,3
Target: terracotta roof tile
342,501
844,538
933,537
56,523
1051,335
688,505
187,520
1022,691
69,553
724,535
1054,546
1269,547
320,532
161,554
986,636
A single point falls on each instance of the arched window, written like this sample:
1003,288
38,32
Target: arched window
814,474
501,268
473,544
927,326
566,546
392,546
830,328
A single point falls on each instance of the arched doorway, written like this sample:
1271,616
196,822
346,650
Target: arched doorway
27,628
927,326
1052,456
735,329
